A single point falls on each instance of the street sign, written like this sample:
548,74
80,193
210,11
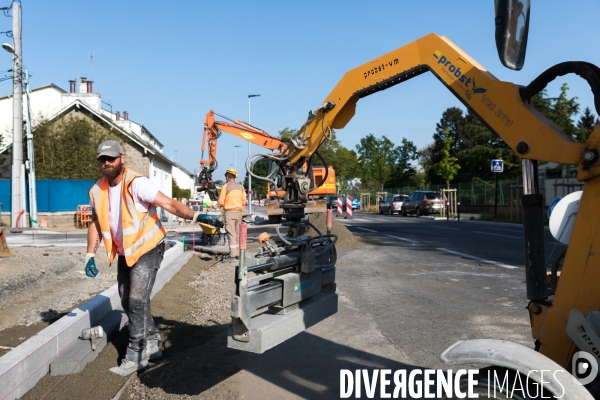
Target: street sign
250,191
497,166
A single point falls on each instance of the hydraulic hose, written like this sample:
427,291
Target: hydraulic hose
587,71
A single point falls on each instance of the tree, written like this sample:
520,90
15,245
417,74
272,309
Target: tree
448,165
259,187
448,126
342,160
179,193
287,133
425,158
376,159
563,111
478,147
66,149
403,170
586,124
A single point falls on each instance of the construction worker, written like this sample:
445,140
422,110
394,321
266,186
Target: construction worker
125,216
233,200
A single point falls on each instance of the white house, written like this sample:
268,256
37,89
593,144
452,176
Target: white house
145,155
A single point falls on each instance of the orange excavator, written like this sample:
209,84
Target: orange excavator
323,181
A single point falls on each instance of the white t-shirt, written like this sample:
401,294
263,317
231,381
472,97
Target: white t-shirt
143,192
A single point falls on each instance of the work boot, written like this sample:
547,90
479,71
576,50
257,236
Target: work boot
152,350
127,367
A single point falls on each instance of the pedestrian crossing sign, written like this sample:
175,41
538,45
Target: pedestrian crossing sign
497,166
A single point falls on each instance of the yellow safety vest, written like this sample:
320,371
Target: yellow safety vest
232,196
142,231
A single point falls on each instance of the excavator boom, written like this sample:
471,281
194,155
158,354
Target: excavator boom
497,103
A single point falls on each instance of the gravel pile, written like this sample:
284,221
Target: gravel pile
346,239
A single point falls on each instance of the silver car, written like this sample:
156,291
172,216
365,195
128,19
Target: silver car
392,204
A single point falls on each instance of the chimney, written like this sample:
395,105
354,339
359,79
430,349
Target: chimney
125,115
83,85
71,86
89,86
118,116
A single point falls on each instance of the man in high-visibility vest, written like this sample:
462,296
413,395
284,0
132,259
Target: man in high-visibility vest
233,200
125,217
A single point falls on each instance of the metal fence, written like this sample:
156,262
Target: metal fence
476,192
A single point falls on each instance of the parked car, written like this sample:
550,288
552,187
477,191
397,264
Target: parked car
392,204
423,202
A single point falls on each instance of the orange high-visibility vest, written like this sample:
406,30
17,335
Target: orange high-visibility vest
232,196
141,231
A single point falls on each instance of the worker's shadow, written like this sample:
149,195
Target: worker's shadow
196,359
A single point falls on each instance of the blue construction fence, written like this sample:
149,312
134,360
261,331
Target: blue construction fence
52,195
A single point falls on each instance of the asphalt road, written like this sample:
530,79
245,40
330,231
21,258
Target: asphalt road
418,287
497,243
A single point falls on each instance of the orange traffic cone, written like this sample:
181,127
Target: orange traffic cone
4,251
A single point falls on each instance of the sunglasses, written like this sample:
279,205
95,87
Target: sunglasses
104,159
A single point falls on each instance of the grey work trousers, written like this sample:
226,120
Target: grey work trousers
233,220
135,286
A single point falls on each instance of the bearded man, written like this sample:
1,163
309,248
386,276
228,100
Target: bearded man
125,217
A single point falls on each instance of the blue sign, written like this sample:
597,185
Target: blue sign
497,166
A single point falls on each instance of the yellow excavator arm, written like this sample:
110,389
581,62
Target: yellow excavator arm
506,109
497,103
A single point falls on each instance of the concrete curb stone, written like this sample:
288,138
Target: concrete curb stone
25,365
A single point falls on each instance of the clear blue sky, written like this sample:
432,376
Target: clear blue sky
169,62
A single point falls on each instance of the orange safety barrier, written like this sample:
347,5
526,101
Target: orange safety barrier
84,216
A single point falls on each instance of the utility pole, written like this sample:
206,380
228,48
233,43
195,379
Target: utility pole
17,198
30,163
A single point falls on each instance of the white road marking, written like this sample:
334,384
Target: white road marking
365,229
479,259
443,227
400,238
497,234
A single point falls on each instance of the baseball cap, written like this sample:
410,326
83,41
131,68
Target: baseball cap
109,148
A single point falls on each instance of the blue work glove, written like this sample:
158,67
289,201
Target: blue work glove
90,265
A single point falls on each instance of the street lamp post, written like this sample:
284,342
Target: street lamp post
235,159
250,176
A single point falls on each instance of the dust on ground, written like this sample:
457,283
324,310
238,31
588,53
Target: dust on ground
192,312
